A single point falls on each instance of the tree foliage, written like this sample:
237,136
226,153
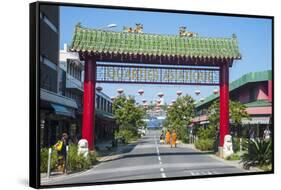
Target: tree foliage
237,111
127,114
180,115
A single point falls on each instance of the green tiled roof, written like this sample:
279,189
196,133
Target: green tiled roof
104,41
247,78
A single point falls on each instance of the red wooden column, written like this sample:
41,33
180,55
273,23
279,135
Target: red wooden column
270,90
88,123
224,101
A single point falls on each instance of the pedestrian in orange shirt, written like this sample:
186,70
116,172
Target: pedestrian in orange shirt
174,139
168,136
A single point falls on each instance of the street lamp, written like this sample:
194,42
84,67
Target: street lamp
111,25
108,26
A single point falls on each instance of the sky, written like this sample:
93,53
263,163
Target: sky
253,34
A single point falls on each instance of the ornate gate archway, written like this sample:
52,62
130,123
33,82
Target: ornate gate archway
211,56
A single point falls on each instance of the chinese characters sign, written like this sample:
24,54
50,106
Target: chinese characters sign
156,75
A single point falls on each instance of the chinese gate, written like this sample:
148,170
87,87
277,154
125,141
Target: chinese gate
147,59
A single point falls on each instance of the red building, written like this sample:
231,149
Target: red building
254,90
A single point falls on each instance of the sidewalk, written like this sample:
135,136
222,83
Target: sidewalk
106,153
235,163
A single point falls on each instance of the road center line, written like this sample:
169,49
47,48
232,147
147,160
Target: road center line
159,158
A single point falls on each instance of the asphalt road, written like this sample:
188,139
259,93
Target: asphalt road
149,159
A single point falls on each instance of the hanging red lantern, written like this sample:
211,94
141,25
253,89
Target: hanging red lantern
179,93
215,91
99,88
120,91
141,91
160,94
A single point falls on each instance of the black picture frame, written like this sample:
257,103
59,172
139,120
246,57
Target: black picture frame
34,91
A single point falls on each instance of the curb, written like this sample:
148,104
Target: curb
237,165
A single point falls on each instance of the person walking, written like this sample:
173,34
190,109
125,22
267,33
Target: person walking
174,139
61,147
162,137
168,136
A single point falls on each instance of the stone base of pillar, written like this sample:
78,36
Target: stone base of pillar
220,153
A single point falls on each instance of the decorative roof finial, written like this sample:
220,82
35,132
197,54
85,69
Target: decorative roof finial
137,29
234,35
78,25
184,33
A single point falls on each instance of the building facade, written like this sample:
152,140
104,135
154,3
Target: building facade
56,110
61,87
254,90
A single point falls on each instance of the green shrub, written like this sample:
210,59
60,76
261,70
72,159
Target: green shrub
77,162
236,144
259,153
125,134
233,157
266,167
204,144
207,133
182,134
185,139
93,157
44,159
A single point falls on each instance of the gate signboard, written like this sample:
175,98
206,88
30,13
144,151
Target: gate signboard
156,75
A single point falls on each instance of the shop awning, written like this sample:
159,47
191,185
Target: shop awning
62,110
256,120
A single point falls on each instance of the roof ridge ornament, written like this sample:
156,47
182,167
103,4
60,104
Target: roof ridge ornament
138,28
184,33
78,25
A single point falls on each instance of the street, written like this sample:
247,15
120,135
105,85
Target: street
147,159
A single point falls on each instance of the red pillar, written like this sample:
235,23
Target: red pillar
88,123
270,90
224,101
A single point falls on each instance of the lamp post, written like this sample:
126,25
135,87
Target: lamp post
108,26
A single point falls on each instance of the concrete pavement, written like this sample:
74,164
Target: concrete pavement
147,159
